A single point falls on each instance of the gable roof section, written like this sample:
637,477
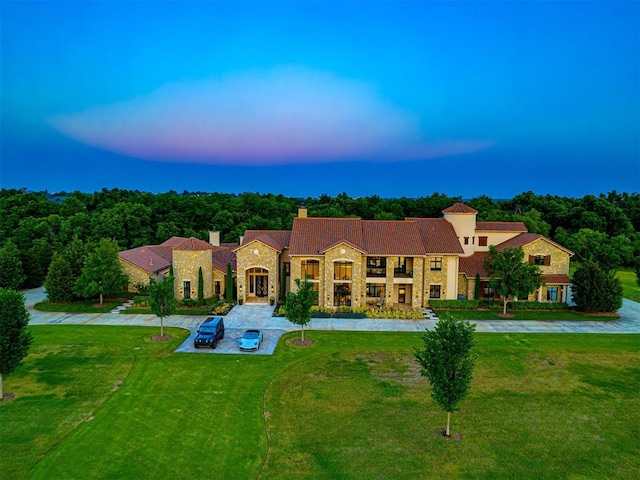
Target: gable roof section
276,239
150,258
193,244
392,237
474,264
438,235
501,227
310,236
459,207
527,238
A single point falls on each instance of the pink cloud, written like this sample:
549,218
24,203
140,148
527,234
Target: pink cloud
281,116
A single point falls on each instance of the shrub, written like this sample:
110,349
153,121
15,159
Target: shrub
142,288
455,304
141,300
525,305
189,302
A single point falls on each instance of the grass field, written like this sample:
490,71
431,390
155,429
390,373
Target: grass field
107,402
631,288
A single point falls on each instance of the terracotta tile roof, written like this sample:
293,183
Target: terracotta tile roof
438,235
150,258
459,207
527,238
276,239
220,256
173,241
519,241
474,264
501,227
310,236
193,244
229,244
392,237
556,279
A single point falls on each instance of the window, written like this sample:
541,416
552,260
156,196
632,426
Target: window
436,263
482,241
540,260
310,269
217,287
376,267
466,240
552,294
375,289
342,294
186,288
434,291
342,270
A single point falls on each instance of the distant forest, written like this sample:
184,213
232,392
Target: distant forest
604,227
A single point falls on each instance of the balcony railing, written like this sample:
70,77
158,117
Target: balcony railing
402,272
376,272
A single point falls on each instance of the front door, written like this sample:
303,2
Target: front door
402,293
261,285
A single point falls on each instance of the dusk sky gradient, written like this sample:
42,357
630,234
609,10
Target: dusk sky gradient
304,98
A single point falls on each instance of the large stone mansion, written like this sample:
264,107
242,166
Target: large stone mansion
354,262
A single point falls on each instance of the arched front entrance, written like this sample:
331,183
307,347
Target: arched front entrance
257,285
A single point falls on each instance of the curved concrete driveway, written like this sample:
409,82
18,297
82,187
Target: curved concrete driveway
243,317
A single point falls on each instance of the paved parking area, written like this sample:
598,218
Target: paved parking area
229,344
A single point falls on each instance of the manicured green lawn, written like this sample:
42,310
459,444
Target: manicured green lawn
530,315
108,402
88,306
631,289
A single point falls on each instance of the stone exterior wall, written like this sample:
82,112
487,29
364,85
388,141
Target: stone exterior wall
256,255
346,253
465,286
186,264
136,275
559,258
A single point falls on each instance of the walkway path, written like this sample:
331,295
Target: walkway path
259,316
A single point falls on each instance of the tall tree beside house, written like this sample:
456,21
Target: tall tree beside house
283,284
11,271
76,253
596,290
36,262
102,273
15,339
298,304
228,289
59,282
200,286
162,300
447,361
476,288
510,275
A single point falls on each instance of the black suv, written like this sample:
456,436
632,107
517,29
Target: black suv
211,330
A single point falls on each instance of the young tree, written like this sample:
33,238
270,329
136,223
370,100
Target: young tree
298,304
36,262
11,271
511,276
161,299
447,362
15,339
102,274
200,287
76,253
596,290
59,282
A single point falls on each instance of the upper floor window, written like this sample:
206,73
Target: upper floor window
376,267
343,271
466,240
482,241
540,260
310,269
436,263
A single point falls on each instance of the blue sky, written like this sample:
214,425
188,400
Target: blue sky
304,98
